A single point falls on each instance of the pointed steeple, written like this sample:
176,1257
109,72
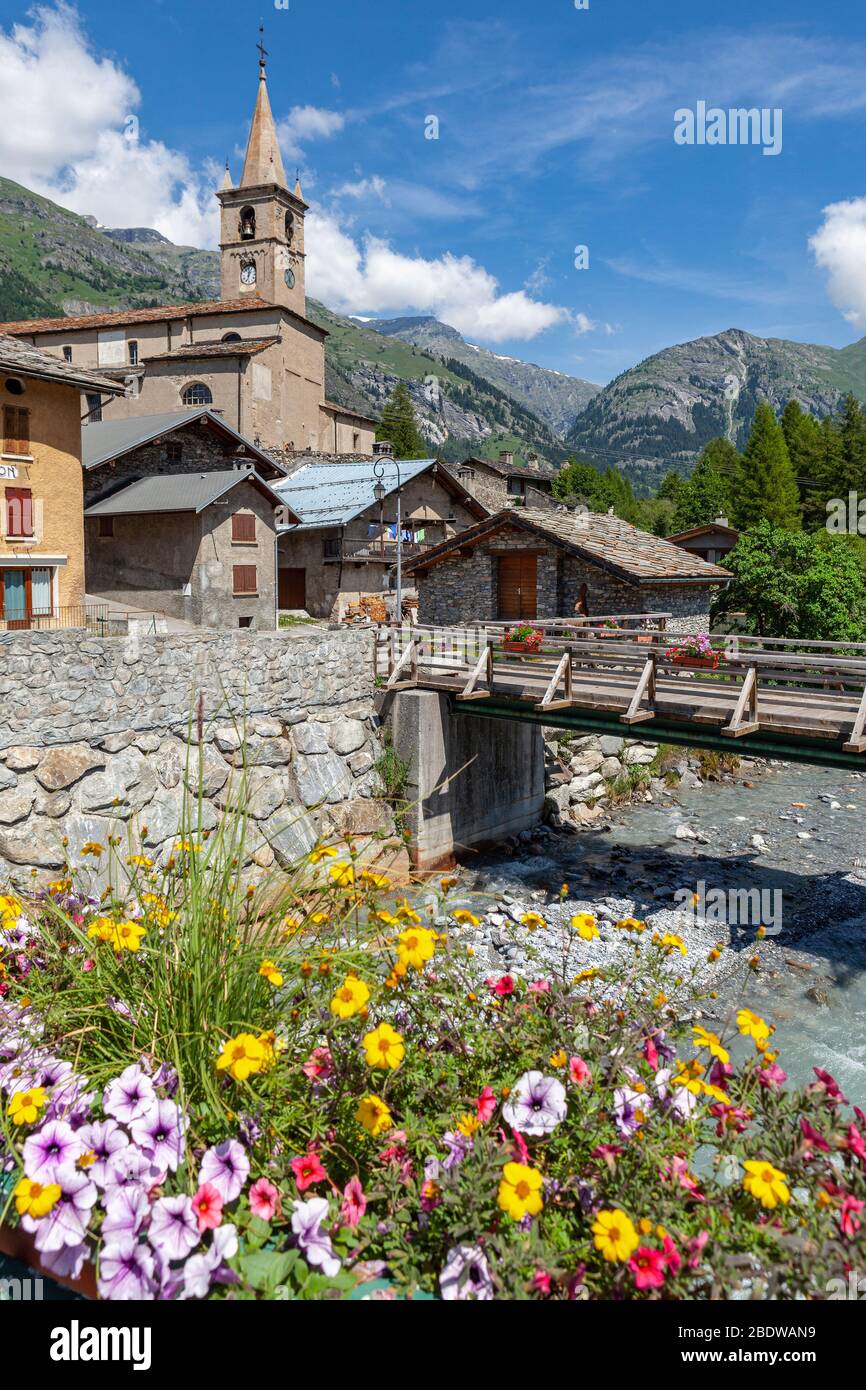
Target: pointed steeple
298,193
263,163
227,178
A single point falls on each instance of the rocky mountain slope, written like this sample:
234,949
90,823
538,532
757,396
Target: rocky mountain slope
659,414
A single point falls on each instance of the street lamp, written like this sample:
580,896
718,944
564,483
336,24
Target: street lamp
379,494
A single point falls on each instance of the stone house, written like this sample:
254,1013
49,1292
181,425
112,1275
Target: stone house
501,482
253,354
197,546
42,511
345,545
526,564
712,542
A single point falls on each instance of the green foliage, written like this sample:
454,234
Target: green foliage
797,585
399,425
708,494
576,481
766,488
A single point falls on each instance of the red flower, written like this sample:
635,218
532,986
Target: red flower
264,1200
650,1052
648,1268
579,1071
541,1281
354,1203
208,1207
828,1084
772,1076
849,1219
811,1135
673,1258
503,986
308,1171
856,1144
485,1105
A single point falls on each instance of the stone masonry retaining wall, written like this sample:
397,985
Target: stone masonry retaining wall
96,736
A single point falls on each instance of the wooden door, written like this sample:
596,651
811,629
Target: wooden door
292,588
518,586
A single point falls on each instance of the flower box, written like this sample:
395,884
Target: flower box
16,1244
529,647
701,663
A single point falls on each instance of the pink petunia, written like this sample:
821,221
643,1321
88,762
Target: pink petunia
695,1249
650,1052
319,1066
828,1084
672,1257
502,987
648,1268
354,1203
579,1071
207,1204
308,1171
813,1138
264,1199
541,1281
540,987
849,1218
771,1077
485,1105
856,1143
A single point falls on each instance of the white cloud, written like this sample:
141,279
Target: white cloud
374,278
362,188
65,131
305,123
839,247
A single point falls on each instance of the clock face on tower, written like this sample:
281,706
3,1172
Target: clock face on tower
248,273
290,278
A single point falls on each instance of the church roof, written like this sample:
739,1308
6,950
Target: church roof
263,163
201,308
246,347
25,360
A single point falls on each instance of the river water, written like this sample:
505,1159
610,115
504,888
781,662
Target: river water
784,830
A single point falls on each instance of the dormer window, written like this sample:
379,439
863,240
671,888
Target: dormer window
248,224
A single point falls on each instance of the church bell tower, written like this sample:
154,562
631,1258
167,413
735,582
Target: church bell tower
262,223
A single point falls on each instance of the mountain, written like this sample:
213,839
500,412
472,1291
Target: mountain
555,398
659,414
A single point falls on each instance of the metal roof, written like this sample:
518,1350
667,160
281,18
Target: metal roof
21,359
333,494
110,439
177,492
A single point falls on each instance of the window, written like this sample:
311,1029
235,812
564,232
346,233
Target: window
331,549
197,394
245,622
244,580
19,512
67,354
290,226
94,409
231,338
243,528
247,226
516,487
106,528
16,430
174,451
133,352
14,386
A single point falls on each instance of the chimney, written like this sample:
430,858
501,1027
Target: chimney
506,458
721,521
383,448
532,461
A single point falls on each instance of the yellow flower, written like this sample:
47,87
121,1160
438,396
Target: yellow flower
408,914
520,1191
465,917
753,1026
127,936
446,883
57,886
374,1115
101,928
671,942
416,945
187,847
615,1236
384,1048
559,1059
585,925
139,861
631,924
388,918
584,975
24,1107
321,852
468,1124
320,918
703,1038
767,1183
343,875
533,920
350,997
374,880
242,1056
269,971
93,848
271,1045
32,1199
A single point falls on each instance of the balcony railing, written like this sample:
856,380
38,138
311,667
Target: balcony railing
372,551
92,617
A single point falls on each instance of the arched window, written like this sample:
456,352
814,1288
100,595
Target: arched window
197,394
231,338
290,226
248,224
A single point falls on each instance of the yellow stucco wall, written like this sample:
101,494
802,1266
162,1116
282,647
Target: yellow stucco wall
53,474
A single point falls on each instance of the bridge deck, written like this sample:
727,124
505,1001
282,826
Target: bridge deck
783,690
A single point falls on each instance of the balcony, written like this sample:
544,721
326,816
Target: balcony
92,618
374,551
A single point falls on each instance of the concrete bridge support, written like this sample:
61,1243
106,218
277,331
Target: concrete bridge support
472,781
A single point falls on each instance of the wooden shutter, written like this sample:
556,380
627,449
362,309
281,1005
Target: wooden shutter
518,578
244,579
16,430
243,528
19,512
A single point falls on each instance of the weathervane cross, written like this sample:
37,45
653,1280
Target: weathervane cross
263,52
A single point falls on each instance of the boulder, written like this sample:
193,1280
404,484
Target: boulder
266,791
322,777
7,778
62,767
310,738
639,754
611,746
38,844
363,817
347,736
126,785
16,806
23,759
611,767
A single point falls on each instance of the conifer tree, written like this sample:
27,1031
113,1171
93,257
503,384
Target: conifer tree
766,486
400,425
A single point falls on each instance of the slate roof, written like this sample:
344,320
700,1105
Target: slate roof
333,494
111,439
24,360
247,347
635,556
178,492
201,308
510,470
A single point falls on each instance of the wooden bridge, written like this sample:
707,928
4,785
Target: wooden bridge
769,697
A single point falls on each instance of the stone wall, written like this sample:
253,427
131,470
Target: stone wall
99,736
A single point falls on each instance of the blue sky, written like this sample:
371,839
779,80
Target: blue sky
555,130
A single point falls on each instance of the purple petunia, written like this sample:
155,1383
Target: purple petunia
53,1147
630,1109
315,1243
227,1167
201,1270
129,1167
126,1271
536,1104
103,1138
125,1210
173,1229
466,1275
459,1145
68,1219
159,1133
130,1096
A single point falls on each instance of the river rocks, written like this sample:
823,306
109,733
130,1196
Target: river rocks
61,767
363,817
310,738
639,755
610,746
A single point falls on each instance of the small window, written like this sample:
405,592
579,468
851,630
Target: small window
14,386
243,528
174,451
231,338
106,528
356,440
516,487
133,353
331,549
16,430
245,622
244,580
67,354
19,512
197,394
290,226
94,409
